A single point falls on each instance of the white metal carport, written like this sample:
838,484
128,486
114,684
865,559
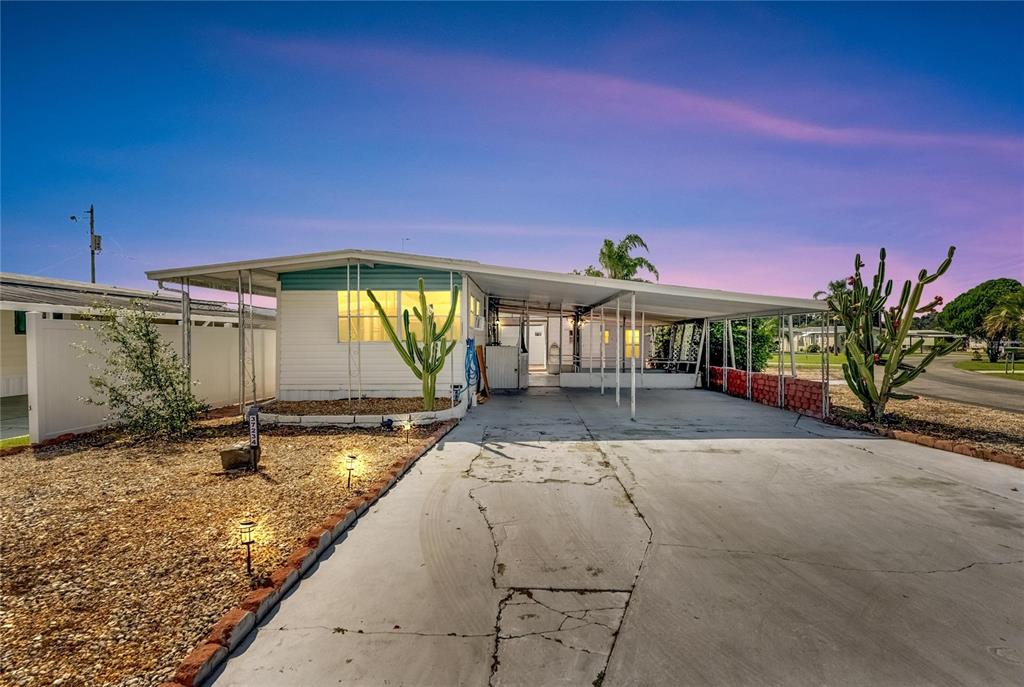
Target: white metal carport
511,289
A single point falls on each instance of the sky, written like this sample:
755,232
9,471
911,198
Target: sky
756,147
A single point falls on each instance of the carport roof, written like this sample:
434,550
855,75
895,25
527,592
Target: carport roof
513,286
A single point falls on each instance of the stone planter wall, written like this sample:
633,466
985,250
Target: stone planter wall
421,418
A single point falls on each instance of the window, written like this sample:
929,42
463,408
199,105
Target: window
440,301
607,337
20,322
475,313
366,324
632,349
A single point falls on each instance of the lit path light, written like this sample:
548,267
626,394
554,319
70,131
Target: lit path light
350,467
246,529
407,429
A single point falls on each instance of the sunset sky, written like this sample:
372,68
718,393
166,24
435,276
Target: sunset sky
755,147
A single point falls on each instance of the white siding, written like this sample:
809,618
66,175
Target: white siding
314,365
13,358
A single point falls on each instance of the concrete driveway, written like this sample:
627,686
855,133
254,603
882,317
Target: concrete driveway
551,541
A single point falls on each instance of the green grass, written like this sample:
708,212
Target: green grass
978,365
13,441
805,360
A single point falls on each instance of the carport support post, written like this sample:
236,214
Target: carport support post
707,352
726,329
601,344
781,386
348,324
750,336
241,348
792,354
618,348
643,323
632,358
186,326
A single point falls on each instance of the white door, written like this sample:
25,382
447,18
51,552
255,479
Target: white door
537,345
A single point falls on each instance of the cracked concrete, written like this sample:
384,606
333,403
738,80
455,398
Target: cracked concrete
550,541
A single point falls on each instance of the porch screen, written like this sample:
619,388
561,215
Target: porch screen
366,324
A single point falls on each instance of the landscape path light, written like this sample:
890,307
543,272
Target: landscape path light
407,429
350,467
246,530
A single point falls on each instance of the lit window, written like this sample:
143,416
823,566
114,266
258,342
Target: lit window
632,340
607,337
440,302
365,322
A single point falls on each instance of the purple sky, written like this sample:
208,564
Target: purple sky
755,147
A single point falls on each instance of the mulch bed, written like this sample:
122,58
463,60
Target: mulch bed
958,422
363,406
118,557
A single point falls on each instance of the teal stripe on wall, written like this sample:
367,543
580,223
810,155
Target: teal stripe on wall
377,277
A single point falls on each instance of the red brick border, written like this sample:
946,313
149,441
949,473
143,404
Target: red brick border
961,447
237,623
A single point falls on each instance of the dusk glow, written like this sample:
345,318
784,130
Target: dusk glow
754,147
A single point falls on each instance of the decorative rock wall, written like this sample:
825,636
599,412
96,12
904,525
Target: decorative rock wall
803,396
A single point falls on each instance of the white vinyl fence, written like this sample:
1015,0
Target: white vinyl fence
58,373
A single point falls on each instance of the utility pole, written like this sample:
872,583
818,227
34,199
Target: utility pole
95,241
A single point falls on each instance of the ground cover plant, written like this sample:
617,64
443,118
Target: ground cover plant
119,555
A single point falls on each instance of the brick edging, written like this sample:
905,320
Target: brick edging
961,447
235,625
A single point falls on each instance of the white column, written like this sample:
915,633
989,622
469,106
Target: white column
35,376
792,354
359,336
601,344
590,354
618,349
643,335
348,324
750,336
726,328
241,348
632,358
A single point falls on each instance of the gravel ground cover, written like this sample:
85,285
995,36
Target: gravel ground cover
985,427
363,406
118,557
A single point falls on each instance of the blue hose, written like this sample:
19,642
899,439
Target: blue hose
472,366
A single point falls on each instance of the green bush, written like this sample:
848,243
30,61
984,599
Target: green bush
142,382
813,348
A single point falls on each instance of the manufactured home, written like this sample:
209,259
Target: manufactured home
536,328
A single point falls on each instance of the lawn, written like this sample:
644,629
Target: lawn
118,557
11,442
987,367
805,360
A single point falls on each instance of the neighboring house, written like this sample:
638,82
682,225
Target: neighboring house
556,326
43,377
804,337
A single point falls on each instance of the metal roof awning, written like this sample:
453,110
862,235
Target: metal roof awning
534,289
27,292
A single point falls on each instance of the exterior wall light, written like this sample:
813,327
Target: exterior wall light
246,530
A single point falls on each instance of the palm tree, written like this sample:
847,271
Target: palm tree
617,261
835,287
1007,318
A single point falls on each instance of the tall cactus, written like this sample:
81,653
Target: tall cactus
426,358
875,334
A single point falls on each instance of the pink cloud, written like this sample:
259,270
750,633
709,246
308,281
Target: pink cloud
590,93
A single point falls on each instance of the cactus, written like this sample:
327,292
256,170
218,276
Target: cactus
875,334
426,357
